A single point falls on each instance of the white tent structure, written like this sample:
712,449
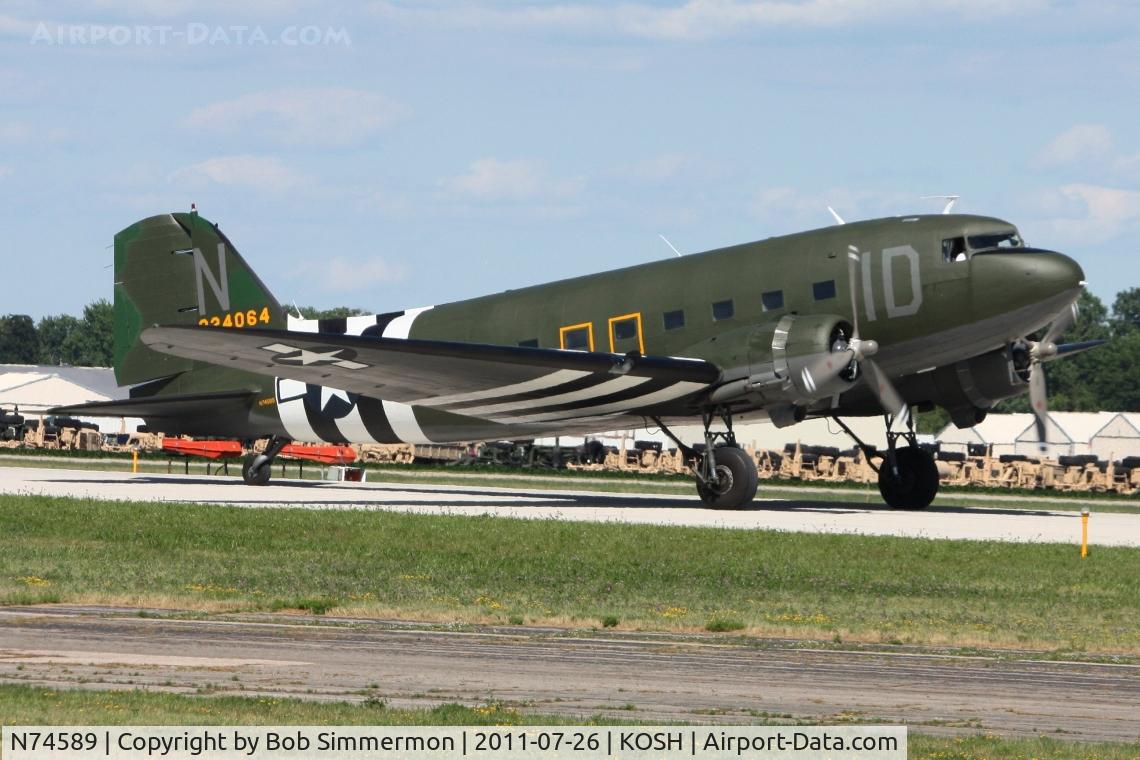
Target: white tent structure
997,430
1118,439
1067,433
1107,435
34,389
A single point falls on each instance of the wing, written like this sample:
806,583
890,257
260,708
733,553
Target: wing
502,383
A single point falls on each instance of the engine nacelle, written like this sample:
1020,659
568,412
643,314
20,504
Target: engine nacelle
968,389
791,362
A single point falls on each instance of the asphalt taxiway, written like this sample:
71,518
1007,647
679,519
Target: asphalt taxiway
815,513
656,678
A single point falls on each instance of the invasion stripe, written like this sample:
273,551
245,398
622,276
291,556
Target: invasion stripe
352,427
601,390
376,420
676,390
404,423
591,380
538,383
291,410
325,427
621,395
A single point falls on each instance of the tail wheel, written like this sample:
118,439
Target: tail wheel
916,483
258,476
736,480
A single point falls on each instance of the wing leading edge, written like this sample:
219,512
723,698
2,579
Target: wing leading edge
508,384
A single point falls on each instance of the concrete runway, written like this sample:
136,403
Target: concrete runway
658,678
814,513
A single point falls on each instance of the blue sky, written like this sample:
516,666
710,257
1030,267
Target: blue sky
386,155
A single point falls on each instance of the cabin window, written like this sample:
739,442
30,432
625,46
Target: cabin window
624,329
529,343
722,310
954,249
577,337
772,300
625,333
673,319
823,290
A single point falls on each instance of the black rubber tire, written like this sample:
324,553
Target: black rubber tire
258,477
738,480
917,482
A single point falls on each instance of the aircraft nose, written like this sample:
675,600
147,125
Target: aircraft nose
1055,272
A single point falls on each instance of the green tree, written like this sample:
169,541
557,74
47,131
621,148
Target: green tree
91,344
1126,312
311,312
19,342
54,332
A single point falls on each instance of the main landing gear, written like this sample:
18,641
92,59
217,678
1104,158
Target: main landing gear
725,473
908,476
256,468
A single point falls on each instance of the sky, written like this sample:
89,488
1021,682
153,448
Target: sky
386,155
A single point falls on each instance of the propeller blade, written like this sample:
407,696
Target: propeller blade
824,368
1063,322
1039,401
853,262
1071,349
881,385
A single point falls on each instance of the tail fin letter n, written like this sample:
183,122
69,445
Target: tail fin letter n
221,289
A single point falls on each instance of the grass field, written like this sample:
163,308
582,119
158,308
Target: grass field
25,705
486,569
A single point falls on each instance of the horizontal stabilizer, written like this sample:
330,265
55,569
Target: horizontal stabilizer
162,406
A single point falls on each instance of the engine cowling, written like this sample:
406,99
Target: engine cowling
791,362
969,388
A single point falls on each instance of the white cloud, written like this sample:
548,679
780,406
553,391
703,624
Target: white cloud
5,171
266,173
1079,144
341,274
664,167
789,210
331,116
1093,213
493,179
696,19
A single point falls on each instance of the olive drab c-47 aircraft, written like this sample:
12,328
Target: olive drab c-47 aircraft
865,318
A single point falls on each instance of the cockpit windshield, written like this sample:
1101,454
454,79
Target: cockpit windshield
1007,239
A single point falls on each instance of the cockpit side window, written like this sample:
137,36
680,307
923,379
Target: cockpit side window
991,240
954,249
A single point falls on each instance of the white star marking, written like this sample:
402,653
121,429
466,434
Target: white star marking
306,357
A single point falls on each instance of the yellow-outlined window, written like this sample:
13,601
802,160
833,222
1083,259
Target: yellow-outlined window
587,326
634,317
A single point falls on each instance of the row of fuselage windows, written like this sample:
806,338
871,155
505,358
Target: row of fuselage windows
579,338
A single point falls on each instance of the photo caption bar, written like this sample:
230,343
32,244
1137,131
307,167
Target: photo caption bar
432,743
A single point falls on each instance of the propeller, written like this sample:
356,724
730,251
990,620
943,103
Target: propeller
861,350
854,355
1046,350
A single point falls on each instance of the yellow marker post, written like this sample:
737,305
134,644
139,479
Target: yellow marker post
1084,532
135,460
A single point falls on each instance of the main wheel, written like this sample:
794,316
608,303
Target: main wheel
917,481
736,480
255,477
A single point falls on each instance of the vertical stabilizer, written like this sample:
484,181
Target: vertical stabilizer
179,269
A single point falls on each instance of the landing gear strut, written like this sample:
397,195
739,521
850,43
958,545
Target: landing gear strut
725,473
908,476
256,468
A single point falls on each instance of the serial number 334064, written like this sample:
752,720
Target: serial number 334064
247,318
